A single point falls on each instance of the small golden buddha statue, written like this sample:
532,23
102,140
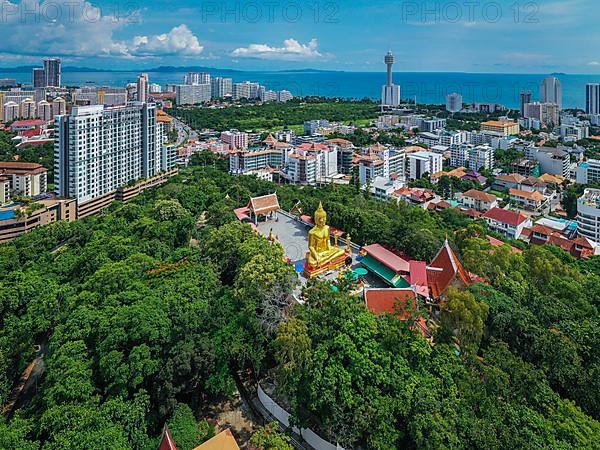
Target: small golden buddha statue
321,252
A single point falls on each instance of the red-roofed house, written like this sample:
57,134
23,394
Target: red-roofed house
446,270
505,222
23,125
541,235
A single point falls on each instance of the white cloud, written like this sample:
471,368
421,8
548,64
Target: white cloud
179,41
292,50
77,28
594,63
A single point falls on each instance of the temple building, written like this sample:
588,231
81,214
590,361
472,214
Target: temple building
386,265
446,270
267,206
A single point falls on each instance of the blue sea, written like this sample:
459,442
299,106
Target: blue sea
429,87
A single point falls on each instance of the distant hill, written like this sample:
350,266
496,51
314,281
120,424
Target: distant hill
160,69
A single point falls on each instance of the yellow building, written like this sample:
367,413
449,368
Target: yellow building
506,128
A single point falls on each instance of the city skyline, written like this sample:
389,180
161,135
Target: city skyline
454,36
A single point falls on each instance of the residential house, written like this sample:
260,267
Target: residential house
531,201
508,223
415,196
477,200
509,181
540,234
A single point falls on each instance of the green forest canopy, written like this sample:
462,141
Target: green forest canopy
138,322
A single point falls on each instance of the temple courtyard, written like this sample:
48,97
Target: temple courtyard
292,234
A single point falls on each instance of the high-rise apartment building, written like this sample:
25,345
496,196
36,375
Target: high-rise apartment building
59,106
235,139
39,77
44,111
28,109
99,150
143,88
193,78
53,72
588,215
10,111
221,87
246,89
454,102
547,113
284,96
192,94
551,91
526,97
592,98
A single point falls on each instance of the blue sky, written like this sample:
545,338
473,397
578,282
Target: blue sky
464,36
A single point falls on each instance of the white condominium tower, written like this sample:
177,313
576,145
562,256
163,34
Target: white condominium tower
197,78
454,102
390,93
100,149
551,91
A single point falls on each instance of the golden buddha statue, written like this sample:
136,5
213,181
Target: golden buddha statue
321,253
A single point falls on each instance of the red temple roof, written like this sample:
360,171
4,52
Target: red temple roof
444,269
166,442
391,301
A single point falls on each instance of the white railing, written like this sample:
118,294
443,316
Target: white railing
311,438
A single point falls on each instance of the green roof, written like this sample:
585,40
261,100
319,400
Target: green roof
384,272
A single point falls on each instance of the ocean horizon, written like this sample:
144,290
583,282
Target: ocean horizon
426,87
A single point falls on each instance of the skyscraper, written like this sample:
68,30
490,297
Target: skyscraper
551,91
39,77
454,102
53,72
143,88
592,98
390,93
526,98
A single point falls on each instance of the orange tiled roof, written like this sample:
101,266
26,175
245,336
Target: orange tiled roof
480,195
222,441
535,195
511,178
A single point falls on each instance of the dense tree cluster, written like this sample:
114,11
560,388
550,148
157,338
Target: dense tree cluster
143,312
277,115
